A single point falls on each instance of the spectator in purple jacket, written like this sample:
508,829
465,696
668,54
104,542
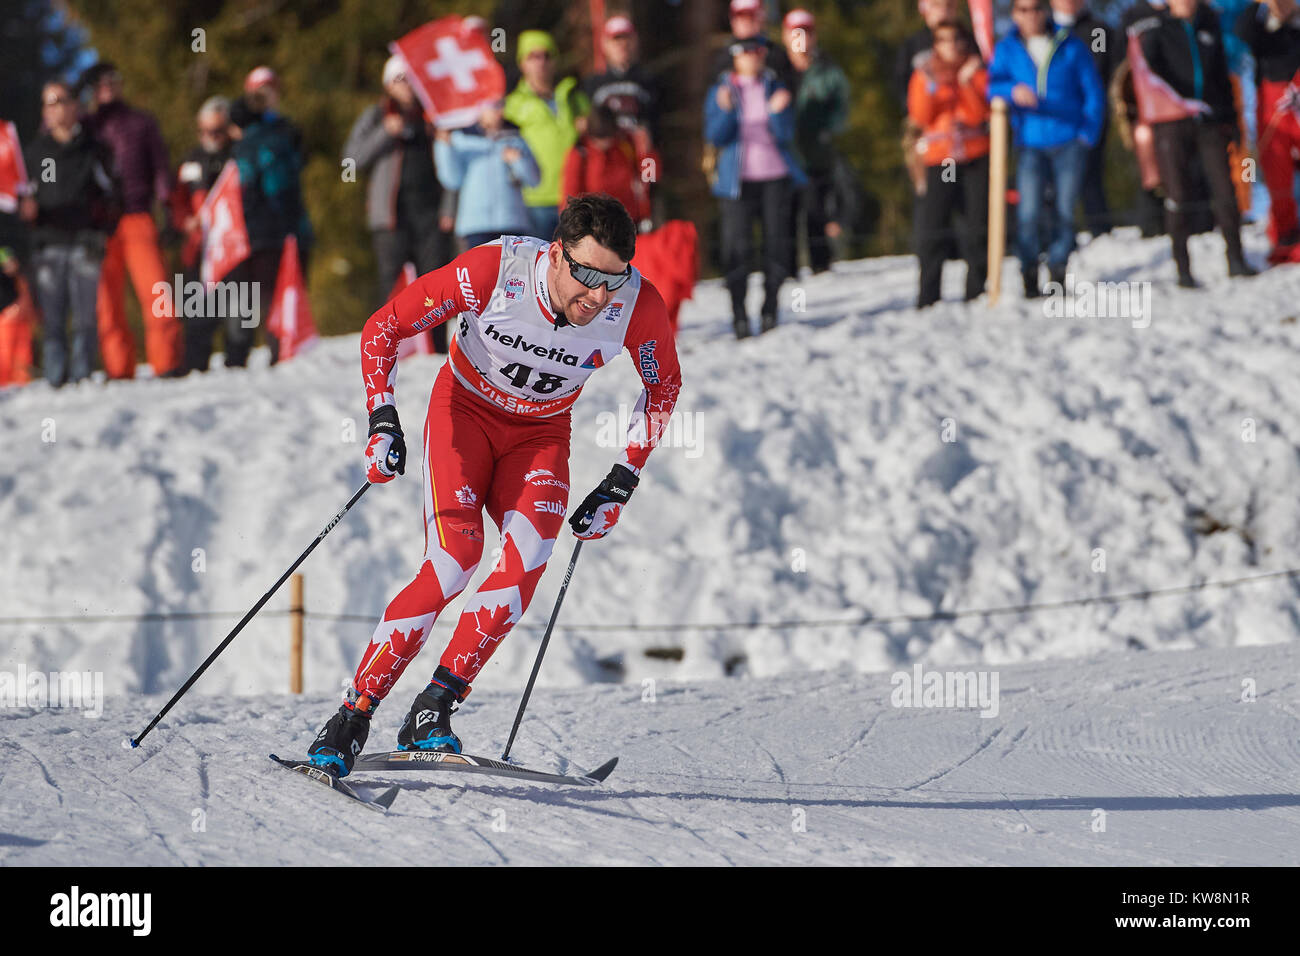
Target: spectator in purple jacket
141,159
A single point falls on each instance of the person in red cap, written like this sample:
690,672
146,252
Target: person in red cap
626,87
821,102
748,18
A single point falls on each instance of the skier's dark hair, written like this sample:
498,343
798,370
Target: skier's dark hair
602,217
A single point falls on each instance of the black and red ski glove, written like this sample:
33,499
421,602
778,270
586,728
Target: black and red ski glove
599,511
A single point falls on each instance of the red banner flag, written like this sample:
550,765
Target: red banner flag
225,237
669,258
452,70
1157,101
291,320
981,19
13,174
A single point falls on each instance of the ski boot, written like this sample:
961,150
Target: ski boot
340,741
428,724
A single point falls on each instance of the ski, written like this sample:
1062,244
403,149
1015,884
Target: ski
468,763
380,803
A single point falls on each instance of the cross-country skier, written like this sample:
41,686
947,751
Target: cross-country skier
531,320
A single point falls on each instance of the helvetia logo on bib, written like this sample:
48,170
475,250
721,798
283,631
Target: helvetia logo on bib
594,360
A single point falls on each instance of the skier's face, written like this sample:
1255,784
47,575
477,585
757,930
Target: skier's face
580,304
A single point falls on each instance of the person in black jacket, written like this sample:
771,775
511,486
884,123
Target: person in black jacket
626,87
1186,51
1107,47
71,214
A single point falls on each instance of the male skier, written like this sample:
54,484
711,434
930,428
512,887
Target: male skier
532,320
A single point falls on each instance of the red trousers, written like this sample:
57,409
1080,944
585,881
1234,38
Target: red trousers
475,457
133,248
1279,158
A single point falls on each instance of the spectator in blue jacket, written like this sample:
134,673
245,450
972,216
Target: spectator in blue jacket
490,164
1057,107
749,118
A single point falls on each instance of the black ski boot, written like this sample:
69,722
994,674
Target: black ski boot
341,739
428,723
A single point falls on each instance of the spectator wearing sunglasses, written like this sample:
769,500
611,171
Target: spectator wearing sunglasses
548,114
1057,105
197,174
749,117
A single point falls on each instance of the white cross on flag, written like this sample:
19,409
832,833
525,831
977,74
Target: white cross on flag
452,70
13,177
290,320
225,238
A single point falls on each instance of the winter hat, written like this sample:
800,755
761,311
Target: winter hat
394,69
260,76
531,40
619,26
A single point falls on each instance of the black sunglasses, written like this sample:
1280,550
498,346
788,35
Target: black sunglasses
594,278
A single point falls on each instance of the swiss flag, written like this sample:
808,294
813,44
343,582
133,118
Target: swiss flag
416,344
1157,100
452,70
13,174
981,18
291,320
225,237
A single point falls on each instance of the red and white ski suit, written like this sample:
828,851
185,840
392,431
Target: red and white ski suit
497,435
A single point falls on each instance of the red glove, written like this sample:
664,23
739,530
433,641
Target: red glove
386,449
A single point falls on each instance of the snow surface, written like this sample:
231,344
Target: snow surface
1159,749
807,478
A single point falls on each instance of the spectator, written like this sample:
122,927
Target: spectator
548,115
1106,44
748,19
1186,51
197,174
1056,104
626,87
1272,32
948,100
141,162
391,142
262,85
749,118
270,189
15,322
916,49
821,105
489,164
71,216
912,56
609,160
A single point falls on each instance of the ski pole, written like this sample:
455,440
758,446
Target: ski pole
537,665
135,741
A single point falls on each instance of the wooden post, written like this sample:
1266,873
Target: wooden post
998,134
295,634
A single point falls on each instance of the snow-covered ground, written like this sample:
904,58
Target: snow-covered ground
1120,759
862,459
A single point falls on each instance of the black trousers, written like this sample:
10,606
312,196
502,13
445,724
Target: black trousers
1096,211
1181,146
262,267
771,203
421,243
961,191
814,209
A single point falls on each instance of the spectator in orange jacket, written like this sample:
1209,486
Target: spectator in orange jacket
947,99
608,160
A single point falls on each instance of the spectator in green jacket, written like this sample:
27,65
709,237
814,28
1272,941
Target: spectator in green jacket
550,117
821,101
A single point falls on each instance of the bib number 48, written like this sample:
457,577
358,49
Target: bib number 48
519,375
